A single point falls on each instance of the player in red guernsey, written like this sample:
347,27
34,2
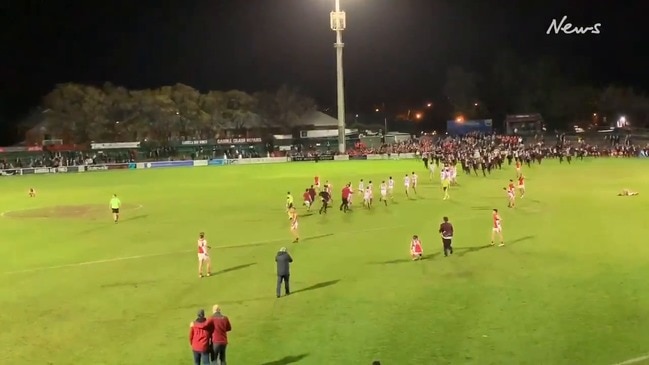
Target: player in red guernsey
510,186
497,228
204,261
316,182
307,199
521,185
416,250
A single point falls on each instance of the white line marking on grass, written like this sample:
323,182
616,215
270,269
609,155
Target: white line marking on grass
634,360
127,258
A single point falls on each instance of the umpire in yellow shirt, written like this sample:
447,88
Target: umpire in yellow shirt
115,204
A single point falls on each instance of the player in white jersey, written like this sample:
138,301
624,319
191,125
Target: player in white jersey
391,187
453,173
384,193
406,184
442,174
351,194
367,197
361,187
203,256
370,185
413,181
431,168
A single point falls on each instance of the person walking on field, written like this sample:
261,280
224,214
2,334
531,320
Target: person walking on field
283,260
446,230
199,339
220,326
115,204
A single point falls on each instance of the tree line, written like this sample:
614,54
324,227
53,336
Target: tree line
513,86
83,113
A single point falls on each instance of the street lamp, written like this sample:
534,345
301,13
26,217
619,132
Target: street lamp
338,24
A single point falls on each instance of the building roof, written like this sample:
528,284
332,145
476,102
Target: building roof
319,119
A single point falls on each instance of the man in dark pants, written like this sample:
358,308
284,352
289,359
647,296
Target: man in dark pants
446,230
220,328
199,339
283,260
325,197
346,192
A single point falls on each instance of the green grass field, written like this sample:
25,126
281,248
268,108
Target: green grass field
569,288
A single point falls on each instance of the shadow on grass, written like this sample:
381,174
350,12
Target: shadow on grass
287,360
461,251
135,218
402,261
312,238
131,284
242,301
317,286
518,240
234,268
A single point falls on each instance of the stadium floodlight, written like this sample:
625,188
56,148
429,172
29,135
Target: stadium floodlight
338,24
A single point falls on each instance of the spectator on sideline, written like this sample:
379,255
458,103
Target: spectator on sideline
283,260
220,328
199,339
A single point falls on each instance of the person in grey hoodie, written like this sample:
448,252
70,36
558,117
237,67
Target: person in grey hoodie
283,260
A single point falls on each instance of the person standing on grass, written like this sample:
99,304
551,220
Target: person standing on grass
115,204
283,260
220,326
446,230
345,195
199,339
204,261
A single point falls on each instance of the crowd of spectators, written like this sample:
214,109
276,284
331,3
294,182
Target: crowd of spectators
607,145
72,158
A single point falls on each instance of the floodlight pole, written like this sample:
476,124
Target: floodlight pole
338,23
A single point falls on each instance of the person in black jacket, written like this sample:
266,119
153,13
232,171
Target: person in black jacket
446,230
325,197
283,260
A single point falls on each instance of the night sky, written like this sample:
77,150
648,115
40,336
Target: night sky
396,50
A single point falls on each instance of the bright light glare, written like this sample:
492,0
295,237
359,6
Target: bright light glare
376,110
429,105
418,116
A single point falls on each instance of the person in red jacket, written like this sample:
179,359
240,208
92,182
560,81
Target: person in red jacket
220,326
199,339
